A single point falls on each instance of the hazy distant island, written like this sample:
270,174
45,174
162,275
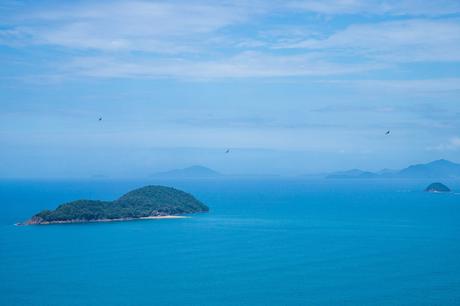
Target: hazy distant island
436,169
353,173
437,187
144,203
189,172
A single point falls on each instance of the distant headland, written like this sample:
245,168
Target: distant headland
144,203
442,169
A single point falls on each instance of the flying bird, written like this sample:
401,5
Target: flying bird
228,151
387,133
100,118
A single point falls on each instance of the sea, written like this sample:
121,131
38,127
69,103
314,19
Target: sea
265,241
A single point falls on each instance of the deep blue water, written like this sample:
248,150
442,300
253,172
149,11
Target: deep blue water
265,242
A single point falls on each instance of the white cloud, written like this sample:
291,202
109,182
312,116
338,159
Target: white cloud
173,27
243,65
337,6
455,141
401,86
130,25
451,144
378,7
398,41
195,39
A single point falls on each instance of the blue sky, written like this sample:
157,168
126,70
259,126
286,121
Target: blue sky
291,87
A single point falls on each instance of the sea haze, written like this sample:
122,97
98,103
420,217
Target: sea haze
264,241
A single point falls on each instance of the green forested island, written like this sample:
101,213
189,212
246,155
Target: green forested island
437,187
145,202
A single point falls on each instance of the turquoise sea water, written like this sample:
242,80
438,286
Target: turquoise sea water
265,242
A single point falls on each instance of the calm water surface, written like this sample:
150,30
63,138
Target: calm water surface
265,242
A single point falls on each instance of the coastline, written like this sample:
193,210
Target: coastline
102,220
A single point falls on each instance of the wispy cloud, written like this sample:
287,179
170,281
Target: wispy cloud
378,7
246,64
209,39
452,144
127,25
412,87
394,41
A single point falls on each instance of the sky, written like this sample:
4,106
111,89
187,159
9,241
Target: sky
290,87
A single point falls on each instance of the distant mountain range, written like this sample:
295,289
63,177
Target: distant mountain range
436,169
442,169
189,172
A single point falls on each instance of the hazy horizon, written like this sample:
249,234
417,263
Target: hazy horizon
290,87
160,174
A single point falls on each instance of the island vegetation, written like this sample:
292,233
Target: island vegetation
146,202
437,187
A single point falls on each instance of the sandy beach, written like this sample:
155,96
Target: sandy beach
105,220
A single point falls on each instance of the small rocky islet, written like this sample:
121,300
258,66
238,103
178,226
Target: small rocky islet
142,203
437,187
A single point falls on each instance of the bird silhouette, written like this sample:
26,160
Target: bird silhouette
387,133
100,118
228,151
